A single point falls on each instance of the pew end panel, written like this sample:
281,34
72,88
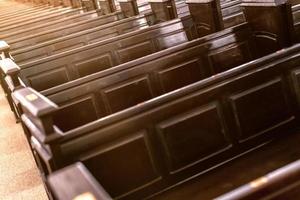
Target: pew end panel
10,82
163,10
38,113
129,7
274,36
207,16
78,182
4,50
10,71
107,6
296,17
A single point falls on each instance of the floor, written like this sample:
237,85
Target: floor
19,177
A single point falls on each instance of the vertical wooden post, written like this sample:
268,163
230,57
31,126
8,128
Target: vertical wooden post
129,7
55,2
76,3
206,15
163,10
89,5
107,6
272,23
67,3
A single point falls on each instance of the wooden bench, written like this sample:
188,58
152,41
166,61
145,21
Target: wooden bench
221,117
42,78
25,12
79,39
283,183
24,17
42,68
164,72
76,40
6,28
29,37
96,57
70,16
6,8
76,182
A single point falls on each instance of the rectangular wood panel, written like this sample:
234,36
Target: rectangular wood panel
191,137
267,99
124,166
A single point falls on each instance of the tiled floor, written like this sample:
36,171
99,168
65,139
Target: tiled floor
19,177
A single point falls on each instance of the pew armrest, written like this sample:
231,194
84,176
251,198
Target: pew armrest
4,50
11,84
34,103
9,67
4,46
37,113
76,182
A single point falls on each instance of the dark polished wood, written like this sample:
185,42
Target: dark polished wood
11,26
105,54
283,183
296,18
170,70
207,16
30,37
88,5
79,39
224,115
270,36
76,183
107,6
129,7
163,10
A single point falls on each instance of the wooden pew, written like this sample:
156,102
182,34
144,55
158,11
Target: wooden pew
64,43
25,12
31,36
225,115
11,27
283,183
29,16
22,37
95,57
6,8
79,39
76,182
39,71
171,69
